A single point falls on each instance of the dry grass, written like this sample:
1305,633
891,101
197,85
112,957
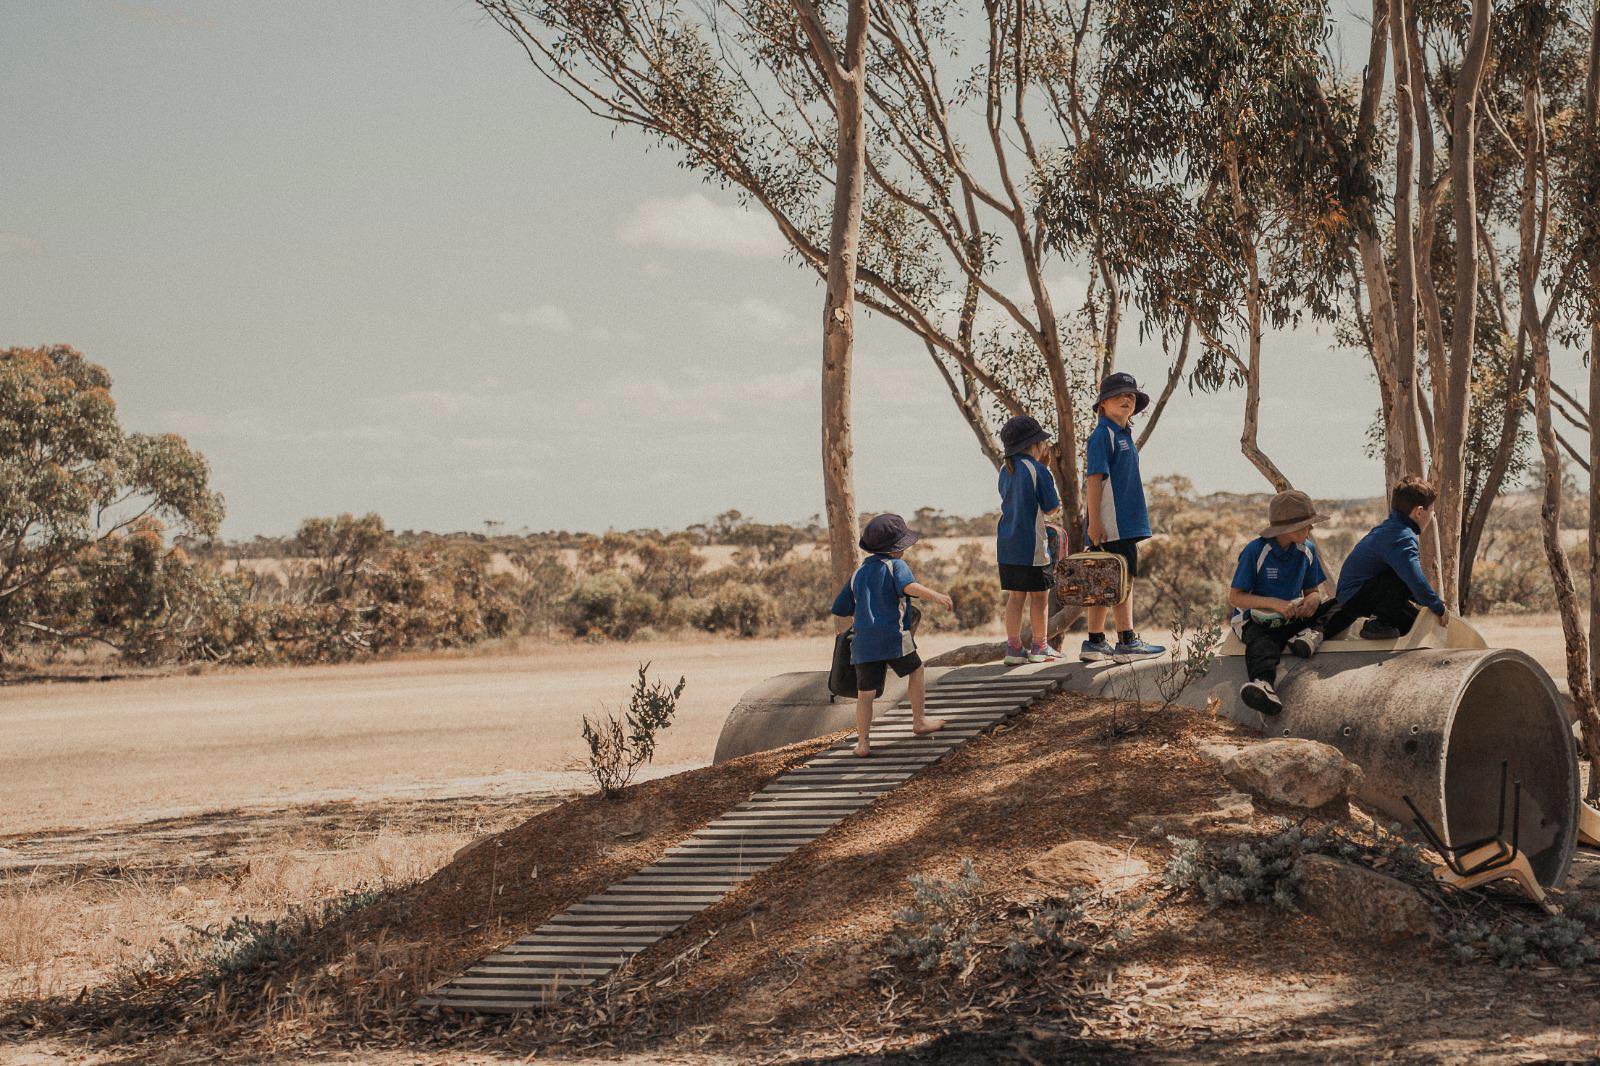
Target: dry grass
59,935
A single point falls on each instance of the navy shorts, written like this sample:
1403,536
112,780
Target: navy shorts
870,676
1026,578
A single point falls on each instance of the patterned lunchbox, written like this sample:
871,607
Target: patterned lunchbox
1092,579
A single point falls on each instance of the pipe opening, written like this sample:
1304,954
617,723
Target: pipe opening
1507,712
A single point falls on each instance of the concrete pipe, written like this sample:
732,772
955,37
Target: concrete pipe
1432,724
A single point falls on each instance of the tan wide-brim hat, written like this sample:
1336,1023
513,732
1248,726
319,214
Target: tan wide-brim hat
1289,511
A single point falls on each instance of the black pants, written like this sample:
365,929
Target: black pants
1385,597
1263,645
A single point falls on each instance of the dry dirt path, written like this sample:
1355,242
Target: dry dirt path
89,754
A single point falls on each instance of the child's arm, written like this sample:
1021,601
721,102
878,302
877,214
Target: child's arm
1407,562
844,604
1096,491
1245,601
923,592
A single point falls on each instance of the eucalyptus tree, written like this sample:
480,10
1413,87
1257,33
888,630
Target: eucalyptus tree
967,108
1219,173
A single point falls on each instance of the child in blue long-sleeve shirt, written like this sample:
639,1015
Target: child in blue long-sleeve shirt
878,597
1383,575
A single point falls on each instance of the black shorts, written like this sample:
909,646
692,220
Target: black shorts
1128,549
1027,578
870,676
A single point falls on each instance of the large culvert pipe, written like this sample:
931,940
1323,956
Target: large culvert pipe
1432,724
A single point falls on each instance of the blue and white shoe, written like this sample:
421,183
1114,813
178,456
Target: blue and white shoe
1015,656
1094,651
1136,649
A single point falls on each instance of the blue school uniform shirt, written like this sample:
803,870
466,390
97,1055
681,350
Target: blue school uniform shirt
1122,509
1026,495
876,597
1266,569
1392,545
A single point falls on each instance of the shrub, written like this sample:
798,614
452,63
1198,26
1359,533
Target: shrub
939,930
976,600
739,608
609,605
619,746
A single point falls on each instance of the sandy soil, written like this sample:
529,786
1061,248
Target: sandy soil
88,754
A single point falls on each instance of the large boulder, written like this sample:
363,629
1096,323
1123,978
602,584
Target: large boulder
1361,903
1298,775
1085,864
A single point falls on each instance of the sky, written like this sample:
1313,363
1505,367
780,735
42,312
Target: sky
365,259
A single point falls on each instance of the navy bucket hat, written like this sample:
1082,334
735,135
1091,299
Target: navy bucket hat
1120,384
1020,433
888,533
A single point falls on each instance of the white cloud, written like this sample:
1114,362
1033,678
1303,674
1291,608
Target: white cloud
694,223
545,316
19,244
749,316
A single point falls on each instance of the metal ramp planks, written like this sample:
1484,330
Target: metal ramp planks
592,938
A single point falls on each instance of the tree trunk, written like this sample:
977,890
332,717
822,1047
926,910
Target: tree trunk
1451,422
1592,127
847,78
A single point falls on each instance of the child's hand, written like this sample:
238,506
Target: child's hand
1097,532
943,600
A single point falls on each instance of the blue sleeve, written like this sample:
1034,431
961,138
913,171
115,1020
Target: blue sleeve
1244,575
902,575
1406,560
1316,575
1049,498
844,604
1099,454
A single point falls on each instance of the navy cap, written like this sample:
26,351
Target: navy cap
888,533
1119,384
1020,433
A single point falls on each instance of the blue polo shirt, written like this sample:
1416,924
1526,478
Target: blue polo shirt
1122,508
876,597
1026,496
1392,545
1266,569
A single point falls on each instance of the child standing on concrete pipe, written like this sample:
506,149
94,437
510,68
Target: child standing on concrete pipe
1118,519
1276,596
1022,547
879,596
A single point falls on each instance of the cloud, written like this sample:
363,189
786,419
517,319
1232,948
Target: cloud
751,315
19,244
693,223
545,316
170,18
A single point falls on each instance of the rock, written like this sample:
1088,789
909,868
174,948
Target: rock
1361,903
1085,864
1218,752
1233,809
1302,775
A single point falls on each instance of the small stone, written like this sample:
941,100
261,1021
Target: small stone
1302,775
1085,864
1361,903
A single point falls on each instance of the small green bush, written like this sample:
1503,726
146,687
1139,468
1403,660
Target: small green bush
609,605
619,746
739,608
976,600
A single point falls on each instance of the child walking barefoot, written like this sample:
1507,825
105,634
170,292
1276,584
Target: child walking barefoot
1118,520
879,596
1022,543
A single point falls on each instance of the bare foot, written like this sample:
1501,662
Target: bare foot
928,725
862,749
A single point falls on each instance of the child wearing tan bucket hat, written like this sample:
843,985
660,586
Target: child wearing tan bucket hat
1276,597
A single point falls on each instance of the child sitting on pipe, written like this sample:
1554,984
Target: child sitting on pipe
1276,596
1383,574
879,596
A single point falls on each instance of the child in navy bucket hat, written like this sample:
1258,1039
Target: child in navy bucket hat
1023,548
1118,519
879,597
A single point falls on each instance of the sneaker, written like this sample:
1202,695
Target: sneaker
1094,651
1053,653
1261,696
1372,629
1306,642
1015,656
1136,649
1039,653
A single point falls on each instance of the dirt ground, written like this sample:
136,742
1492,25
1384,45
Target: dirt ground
779,971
